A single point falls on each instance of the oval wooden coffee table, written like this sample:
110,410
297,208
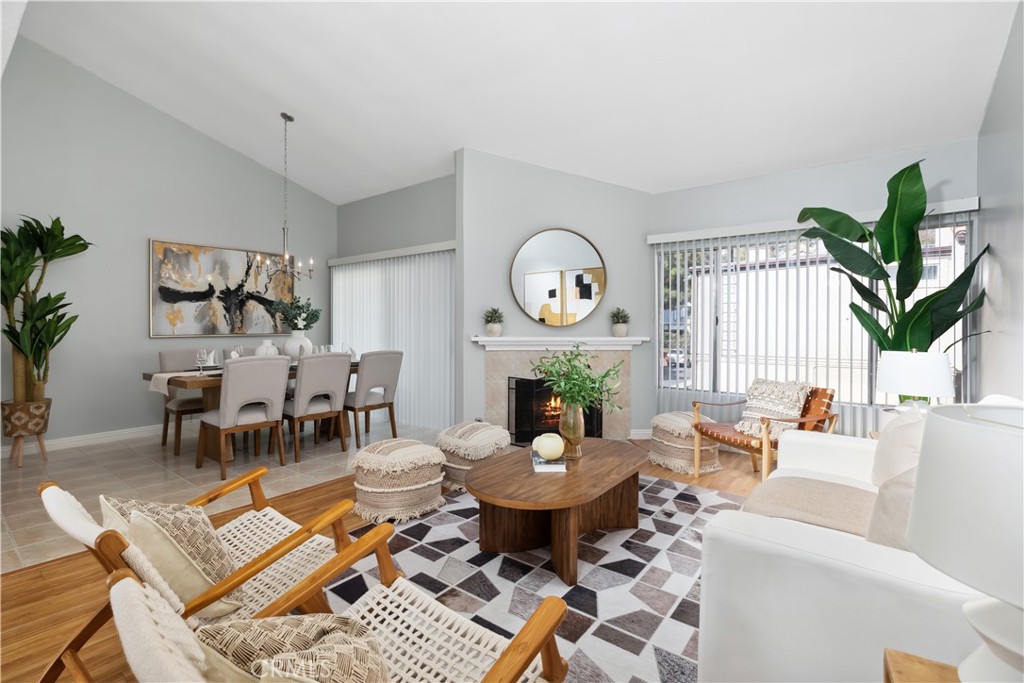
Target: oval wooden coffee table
521,509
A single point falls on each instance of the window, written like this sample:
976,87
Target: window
766,305
404,303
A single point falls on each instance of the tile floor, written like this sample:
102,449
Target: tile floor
142,468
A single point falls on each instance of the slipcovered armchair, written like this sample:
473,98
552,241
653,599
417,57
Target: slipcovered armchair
786,600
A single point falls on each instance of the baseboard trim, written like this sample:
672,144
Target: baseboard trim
640,434
32,446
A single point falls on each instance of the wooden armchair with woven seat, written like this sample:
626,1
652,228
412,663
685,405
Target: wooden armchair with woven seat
281,565
816,416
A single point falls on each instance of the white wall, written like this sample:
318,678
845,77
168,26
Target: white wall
411,216
1001,186
949,173
501,203
119,172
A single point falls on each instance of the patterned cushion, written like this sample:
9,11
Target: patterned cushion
325,648
768,398
180,542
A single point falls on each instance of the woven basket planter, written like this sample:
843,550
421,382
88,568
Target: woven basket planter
398,479
466,444
672,444
26,418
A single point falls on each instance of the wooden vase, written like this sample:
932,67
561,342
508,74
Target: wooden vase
571,427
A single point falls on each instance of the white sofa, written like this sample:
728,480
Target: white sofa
788,601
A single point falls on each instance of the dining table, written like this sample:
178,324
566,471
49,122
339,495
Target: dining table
210,382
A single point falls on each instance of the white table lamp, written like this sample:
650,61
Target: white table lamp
967,521
915,373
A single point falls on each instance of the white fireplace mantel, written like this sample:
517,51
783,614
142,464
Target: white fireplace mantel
558,343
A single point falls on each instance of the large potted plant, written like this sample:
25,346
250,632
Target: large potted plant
35,322
569,376
895,239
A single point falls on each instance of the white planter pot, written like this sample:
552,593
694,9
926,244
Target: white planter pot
297,341
493,329
266,348
620,329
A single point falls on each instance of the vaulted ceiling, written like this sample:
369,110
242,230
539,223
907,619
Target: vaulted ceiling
654,97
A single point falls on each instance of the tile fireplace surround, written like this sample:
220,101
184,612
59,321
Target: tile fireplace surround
515,357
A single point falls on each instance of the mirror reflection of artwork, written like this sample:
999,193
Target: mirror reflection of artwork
558,277
543,295
583,291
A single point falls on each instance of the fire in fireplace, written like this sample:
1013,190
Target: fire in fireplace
533,410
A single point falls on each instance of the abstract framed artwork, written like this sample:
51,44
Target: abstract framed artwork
584,288
202,291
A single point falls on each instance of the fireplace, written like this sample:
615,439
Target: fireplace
533,410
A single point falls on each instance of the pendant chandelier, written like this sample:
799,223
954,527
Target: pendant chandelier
288,265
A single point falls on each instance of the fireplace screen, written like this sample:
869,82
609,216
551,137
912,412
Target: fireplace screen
533,410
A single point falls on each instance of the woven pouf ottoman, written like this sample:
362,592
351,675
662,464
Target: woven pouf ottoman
672,444
466,444
398,479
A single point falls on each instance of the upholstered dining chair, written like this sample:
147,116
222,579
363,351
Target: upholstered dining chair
251,398
178,360
321,385
375,388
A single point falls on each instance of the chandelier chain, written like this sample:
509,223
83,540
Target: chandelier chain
285,171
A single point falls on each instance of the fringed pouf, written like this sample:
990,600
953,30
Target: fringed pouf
466,444
398,479
672,444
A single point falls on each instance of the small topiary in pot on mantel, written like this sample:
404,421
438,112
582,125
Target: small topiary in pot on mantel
35,323
620,322
493,318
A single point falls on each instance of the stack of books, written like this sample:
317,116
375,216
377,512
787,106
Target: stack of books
542,465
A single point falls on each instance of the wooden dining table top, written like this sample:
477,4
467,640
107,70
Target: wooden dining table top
509,480
213,378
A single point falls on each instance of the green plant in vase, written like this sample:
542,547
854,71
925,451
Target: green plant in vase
620,322
493,318
570,377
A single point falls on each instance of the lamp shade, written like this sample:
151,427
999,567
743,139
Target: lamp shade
967,515
914,373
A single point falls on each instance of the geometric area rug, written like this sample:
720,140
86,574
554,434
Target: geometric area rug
633,616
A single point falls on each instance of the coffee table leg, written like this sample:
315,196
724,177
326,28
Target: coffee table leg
565,532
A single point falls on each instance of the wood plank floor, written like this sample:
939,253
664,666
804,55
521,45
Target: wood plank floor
43,606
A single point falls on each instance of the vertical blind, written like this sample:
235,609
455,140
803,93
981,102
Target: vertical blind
404,303
766,305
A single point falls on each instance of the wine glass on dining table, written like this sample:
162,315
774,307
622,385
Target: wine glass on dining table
201,359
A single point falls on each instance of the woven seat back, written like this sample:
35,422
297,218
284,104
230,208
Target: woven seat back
819,402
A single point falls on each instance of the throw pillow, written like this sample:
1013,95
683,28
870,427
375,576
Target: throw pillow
323,648
899,446
773,399
891,512
180,542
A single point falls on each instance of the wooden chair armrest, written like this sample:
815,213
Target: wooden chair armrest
376,541
709,403
250,479
799,420
537,636
267,558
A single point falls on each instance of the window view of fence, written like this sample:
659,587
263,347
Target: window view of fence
767,305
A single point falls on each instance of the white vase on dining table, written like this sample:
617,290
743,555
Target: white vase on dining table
298,341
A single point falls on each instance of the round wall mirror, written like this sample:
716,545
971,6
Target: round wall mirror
558,277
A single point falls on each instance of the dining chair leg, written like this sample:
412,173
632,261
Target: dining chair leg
316,431
163,436
177,433
225,449
355,427
391,416
201,446
342,415
245,440
280,442
367,416
256,443
292,423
